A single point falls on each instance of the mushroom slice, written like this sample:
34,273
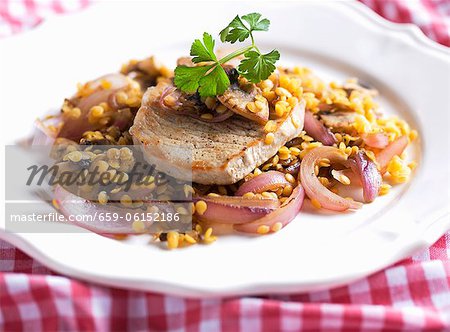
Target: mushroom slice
337,116
247,101
145,72
243,99
339,120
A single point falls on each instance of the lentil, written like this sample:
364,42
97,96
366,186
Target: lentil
269,138
263,229
200,207
277,226
172,239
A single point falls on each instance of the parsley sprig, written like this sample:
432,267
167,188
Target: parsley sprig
209,78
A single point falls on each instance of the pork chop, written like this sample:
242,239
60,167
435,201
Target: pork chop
207,153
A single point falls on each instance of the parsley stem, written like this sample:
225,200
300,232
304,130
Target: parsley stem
236,54
253,43
240,52
253,39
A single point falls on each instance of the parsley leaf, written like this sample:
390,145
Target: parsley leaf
257,67
215,83
256,24
203,52
209,78
187,78
235,31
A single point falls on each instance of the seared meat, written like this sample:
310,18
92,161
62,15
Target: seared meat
214,153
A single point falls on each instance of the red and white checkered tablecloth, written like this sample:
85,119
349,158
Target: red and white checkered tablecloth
412,295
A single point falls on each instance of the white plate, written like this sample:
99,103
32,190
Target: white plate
40,68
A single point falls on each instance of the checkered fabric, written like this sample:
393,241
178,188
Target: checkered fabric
432,16
20,15
413,295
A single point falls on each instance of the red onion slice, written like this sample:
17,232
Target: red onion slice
395,148
294,168
100,95
376,140
314,189
73,205
317,130
116,81
368,174
271,180
43,135
283,215
167,91
73,128
235,210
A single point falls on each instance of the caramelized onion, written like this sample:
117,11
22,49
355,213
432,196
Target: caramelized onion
395,148
270,180
376,140
281,216
167,91
368,174
43,135
317,130
73,128
73,205
100,95
247,215
235,210
314,189
294,168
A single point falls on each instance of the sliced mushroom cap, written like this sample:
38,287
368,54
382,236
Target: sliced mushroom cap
166,96
337,116
363,88
145,72
185,61
246,101
339,120
334,107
